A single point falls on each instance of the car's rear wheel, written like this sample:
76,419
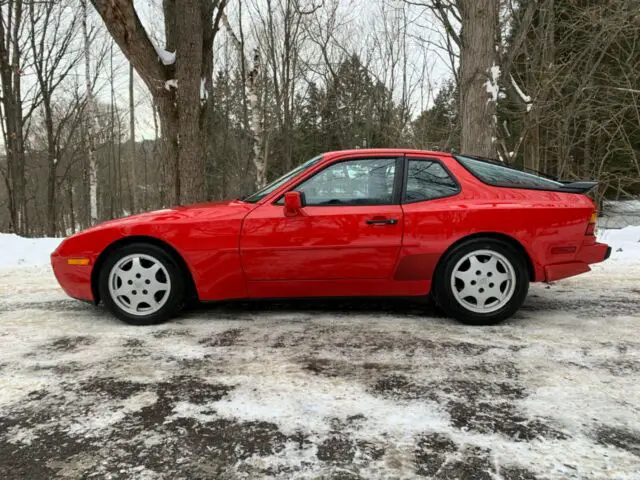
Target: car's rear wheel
141,284
482,282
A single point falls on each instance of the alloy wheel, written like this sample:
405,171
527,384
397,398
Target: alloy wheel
483,281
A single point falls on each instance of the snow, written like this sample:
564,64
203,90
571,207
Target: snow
17,251
166,57
625,244
173,83
572,354
204,95
492,84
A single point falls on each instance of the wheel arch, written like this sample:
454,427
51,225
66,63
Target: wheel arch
191,291
501,237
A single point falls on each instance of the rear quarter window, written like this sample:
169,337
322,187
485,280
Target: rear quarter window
428,180
502,176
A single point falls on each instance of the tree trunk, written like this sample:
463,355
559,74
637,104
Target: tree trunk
91,119
10,76
132,140
173,77
479,74
259,159
52,163
189,43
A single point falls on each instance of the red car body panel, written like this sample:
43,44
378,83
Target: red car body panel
243,250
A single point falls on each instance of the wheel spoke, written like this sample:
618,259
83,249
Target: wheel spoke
153,269
156,286
475,263
465,276
467,292
136,266
121,290
499,277
492,265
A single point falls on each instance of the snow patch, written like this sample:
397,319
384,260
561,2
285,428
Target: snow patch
25,252
173,83
166,57
624,243
492,84
204,95
303,404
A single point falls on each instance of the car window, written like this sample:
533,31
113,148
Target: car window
427,180
502,176
260,194
353,182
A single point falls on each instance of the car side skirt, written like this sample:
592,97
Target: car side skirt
337,288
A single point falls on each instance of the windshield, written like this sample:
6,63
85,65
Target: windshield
260,194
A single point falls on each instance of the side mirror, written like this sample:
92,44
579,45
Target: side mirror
293,203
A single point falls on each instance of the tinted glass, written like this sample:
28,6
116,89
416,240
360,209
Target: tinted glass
260,194
427,180
354,182
495,174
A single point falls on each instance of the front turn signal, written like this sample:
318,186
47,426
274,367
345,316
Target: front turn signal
78,261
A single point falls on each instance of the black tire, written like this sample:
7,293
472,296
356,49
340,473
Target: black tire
442,288
172,305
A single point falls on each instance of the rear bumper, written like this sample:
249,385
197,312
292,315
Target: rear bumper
587,255
596,253
75,280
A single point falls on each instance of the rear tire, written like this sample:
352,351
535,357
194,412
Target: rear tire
481,282
141,284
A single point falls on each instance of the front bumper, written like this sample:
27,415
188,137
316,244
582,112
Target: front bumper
587,255
75,280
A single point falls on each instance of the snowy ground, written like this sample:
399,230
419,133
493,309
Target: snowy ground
325,389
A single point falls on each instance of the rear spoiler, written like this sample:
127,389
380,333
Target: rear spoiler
578,187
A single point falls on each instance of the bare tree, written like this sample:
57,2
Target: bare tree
132,142
479,76
250,73
52,32
91,117
11,17
174,75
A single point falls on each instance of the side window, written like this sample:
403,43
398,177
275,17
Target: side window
354,182
427,180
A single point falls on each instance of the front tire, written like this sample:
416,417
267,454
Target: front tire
141,284
482,282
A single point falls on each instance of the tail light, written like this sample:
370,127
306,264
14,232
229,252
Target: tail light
591,227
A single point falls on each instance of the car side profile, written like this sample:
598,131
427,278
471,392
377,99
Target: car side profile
470,233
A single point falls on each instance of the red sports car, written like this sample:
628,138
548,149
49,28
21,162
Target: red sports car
384,222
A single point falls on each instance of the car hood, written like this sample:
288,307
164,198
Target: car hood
200,212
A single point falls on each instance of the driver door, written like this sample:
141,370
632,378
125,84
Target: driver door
350,227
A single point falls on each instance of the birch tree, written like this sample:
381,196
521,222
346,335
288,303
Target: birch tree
90,119
250,72
52,31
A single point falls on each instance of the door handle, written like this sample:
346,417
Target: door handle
382,221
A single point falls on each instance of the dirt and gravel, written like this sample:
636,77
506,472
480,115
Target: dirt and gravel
336,389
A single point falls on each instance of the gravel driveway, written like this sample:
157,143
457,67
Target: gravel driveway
322,389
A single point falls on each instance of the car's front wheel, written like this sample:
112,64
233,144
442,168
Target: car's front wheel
141,284
482,282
